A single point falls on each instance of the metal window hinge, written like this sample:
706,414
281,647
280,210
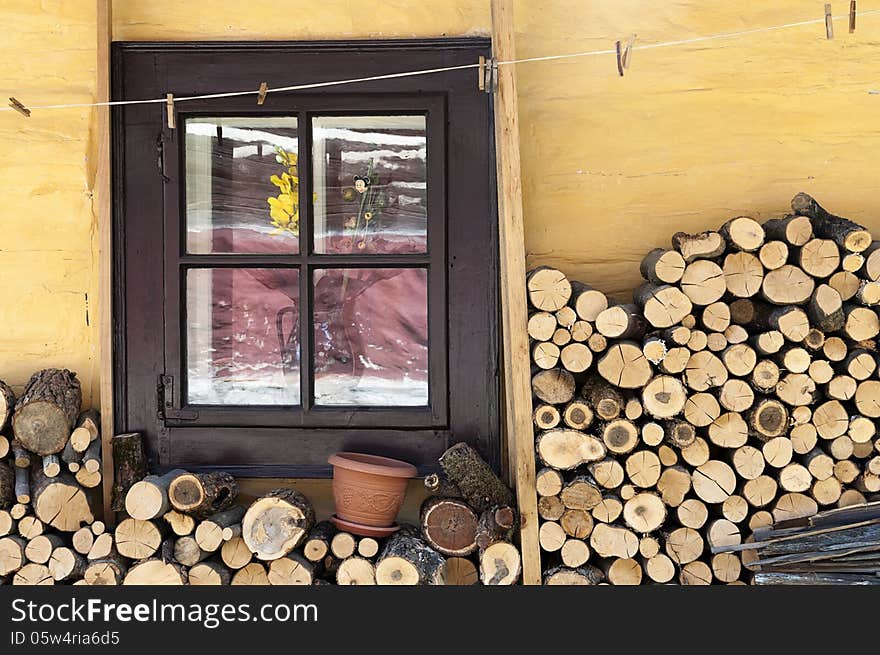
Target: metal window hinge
166,402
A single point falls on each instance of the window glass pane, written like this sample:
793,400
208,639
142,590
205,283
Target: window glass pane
370,179
242,337
242,185
371,336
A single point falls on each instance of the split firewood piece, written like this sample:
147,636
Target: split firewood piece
209,574
703,282
479,486
743,274
202,494
548,288
846,234
217,528
673,485
819,258
235,553
768,419
852,261
33,575
577,523
356,571
644,512
588,303
66,564
664,397
846,284
704,371
541,326
253,574
448,526
622,321
61,502
563,576
564,449
292,569
659,568
794,230
577,415
705,245
714,482
576,357
39,549
137,539
181,524
787,285
155,572
643,468
695,573
624,365
545,354
407,560
545,417
148,498
794,506
613,541
554,387
701,409
129,465
683,545
88,429
620,436
662,266
12,556
188,552
729,430
46,412
276,523
662,306
773,254
692,513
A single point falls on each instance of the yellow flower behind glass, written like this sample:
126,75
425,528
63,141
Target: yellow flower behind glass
284,209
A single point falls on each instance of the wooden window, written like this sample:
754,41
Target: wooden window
314,274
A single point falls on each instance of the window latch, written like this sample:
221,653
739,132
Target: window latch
167,410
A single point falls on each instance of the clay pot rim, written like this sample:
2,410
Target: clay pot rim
374,464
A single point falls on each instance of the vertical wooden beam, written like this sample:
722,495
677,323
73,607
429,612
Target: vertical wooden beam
517,391
103,204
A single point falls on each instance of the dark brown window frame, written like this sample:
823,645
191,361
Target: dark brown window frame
463,375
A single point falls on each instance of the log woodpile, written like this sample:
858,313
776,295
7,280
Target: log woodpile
739,388
187,528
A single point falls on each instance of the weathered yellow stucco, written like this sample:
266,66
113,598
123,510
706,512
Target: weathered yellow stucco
611,166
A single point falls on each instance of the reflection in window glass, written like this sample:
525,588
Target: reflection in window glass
371,337
242,337
242,185
370,180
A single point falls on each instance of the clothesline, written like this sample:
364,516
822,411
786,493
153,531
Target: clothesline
431,71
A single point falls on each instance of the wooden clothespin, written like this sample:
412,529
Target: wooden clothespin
627,52
20,108
481,74
169,108
264,89
619,57
852,16
829,21
487,72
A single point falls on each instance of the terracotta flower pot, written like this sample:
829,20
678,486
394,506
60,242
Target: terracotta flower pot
368,490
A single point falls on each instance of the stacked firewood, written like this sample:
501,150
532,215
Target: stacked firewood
834,547
187,528
740,387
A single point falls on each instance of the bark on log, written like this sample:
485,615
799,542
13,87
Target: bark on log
209,574
662,266
217,528
407,560
46,413
202,494
87,430
705,245
148,499
129,465
66,564
500,564
848,235
8,496
564,576
587,302
292,569
480,487
317,545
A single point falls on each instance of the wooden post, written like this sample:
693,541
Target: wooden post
102,192
517,392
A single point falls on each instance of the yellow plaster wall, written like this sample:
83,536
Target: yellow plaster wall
611,166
